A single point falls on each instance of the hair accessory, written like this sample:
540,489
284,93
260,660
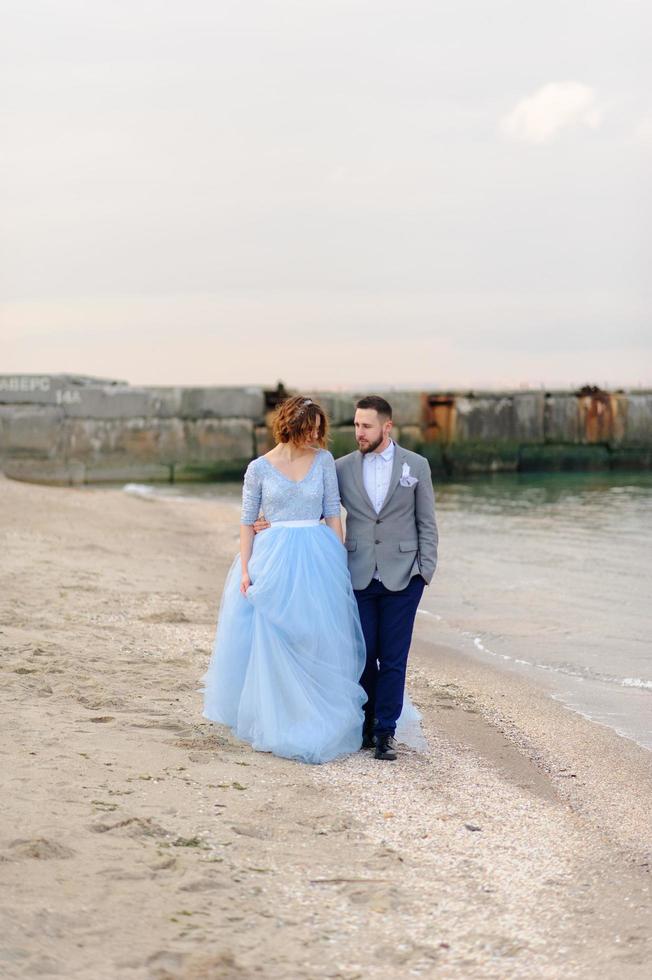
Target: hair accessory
304,405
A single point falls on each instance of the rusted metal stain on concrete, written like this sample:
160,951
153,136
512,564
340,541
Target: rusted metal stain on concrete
439,418
602,415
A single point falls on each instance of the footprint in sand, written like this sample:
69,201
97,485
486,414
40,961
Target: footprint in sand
120,874
165,965
169,616
46,966
132,827
376,894
40,848
96,704
164,864
162,964
252,830
206,743
203,885
168,726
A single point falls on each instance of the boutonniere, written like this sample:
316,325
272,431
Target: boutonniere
407,480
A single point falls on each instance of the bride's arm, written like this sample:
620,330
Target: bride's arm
331,507
251,501
335,524
246,544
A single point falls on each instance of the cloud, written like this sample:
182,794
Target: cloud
540,117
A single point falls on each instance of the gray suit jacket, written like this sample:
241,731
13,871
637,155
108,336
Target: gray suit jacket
401,541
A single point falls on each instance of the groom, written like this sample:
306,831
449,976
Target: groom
391,541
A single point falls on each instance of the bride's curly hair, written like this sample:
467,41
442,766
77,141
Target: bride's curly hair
296,419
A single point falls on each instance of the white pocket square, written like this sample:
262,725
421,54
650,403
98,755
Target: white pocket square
407,480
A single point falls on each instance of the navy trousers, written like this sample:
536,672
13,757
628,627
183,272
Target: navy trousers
387,622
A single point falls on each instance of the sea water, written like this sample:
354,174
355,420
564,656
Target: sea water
549,576
545,575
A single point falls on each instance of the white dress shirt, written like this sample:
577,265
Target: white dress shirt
376,474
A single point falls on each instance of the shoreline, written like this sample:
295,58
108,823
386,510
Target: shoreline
546,680
599,773
142,841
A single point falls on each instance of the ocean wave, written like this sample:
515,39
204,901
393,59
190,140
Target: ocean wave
566,669
140,490
636,682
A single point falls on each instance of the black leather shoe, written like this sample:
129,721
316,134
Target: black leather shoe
368,737
368,740
385,748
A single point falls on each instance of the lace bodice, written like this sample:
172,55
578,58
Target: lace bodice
282,499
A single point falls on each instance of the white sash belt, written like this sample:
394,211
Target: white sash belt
294,523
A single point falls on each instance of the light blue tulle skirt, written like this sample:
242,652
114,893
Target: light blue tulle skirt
286,661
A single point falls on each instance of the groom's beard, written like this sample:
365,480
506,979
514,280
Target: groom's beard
371,446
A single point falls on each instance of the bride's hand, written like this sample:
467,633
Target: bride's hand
245,582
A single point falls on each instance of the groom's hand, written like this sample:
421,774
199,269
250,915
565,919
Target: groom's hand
260,525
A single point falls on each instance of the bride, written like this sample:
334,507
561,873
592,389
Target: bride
289,649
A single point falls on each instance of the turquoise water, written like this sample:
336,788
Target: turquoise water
546,575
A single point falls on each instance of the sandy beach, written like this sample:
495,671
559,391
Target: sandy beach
140,841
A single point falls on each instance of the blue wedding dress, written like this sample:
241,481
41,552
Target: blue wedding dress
286,661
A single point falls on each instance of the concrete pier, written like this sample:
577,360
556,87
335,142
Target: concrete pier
77,429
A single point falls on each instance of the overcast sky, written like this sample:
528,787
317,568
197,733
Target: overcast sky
331,192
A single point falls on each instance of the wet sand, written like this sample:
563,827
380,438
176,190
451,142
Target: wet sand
140,841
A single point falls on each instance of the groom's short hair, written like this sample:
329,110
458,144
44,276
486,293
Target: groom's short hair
376,402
